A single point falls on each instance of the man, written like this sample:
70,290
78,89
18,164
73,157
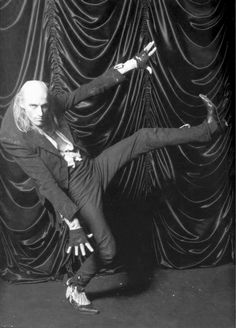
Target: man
35,132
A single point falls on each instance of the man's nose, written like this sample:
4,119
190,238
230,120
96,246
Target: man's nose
40,109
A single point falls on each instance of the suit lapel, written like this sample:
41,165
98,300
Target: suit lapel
41,141
64,129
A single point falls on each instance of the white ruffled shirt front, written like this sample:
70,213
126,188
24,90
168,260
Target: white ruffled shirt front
65,148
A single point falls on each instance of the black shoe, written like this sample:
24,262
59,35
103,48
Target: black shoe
212,114
85,309
79,300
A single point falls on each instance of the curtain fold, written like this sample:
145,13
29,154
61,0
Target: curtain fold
186,193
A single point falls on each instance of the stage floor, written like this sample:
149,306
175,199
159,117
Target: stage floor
199,298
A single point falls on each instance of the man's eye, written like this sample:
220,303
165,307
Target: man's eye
45,107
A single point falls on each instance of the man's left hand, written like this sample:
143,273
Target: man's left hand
143,57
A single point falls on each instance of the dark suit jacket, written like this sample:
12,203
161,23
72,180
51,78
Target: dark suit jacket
38,157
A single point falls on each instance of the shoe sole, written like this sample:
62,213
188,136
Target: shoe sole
85,309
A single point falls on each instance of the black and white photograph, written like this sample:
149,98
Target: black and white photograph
117,164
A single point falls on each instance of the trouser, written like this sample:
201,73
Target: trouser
90,178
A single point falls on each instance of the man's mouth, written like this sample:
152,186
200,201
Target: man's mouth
38,121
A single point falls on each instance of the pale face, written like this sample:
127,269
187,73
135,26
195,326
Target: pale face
35,102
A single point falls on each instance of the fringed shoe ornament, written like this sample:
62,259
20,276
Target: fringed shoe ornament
79,300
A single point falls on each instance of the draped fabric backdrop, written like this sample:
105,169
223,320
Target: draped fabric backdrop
172,207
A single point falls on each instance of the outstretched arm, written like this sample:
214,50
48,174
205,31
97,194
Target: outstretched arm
110,78
34,167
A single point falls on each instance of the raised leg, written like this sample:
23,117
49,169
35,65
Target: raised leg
144,140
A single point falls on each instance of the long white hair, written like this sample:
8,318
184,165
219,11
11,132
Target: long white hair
22,121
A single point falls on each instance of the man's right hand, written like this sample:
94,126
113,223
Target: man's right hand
77,238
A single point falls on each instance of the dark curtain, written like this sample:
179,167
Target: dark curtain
173,206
